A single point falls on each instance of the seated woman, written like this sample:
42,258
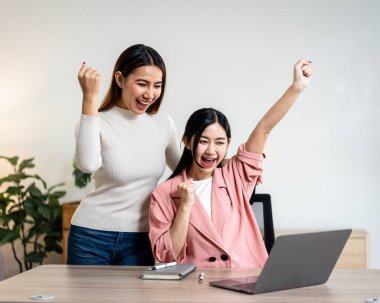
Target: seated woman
201,214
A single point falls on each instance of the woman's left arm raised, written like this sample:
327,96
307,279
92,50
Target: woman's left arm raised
301,78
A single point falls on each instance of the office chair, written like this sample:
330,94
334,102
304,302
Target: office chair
262,208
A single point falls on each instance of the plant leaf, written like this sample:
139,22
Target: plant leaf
58,194
35,192
5,201
10,178
81,179
17,216
42,180
14,190
12,160
30,206
45,211
27,163
34,257
8,236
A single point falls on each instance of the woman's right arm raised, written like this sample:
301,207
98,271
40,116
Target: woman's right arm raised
89,80
302,73
87,149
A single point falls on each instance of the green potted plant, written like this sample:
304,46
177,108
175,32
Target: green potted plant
30,213
81,179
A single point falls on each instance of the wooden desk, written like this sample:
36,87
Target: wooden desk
121,284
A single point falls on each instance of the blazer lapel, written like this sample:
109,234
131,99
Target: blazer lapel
221,203
198,217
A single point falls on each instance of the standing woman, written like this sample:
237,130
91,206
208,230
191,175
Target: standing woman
125,144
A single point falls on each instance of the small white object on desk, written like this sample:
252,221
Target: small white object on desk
42,297
201,277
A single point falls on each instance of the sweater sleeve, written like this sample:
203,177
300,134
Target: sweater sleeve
87,148
172,152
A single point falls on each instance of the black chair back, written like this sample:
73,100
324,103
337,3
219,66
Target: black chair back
262,208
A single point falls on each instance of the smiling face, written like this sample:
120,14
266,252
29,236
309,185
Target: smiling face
211,150
140,89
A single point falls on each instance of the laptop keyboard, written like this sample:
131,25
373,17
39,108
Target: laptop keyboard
246,286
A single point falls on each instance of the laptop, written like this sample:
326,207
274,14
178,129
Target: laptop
295,261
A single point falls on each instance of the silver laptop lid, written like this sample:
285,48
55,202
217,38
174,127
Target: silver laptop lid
301,260
295,261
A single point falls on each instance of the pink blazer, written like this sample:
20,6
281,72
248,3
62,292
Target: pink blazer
231,238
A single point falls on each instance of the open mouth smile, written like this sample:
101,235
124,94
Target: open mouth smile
208,162
142,104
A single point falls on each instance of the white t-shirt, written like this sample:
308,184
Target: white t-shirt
127,155
203,191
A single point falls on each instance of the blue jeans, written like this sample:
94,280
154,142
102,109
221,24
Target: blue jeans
96,247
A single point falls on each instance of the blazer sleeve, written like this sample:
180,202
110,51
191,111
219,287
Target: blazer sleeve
161,216
247,167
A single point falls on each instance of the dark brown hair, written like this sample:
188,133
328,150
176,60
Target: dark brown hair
133,57
195,126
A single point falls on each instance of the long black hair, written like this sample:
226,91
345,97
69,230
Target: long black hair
195,126
133,57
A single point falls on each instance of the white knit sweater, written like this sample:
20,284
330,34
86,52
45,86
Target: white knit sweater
127,155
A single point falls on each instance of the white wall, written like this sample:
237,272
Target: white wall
322,165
